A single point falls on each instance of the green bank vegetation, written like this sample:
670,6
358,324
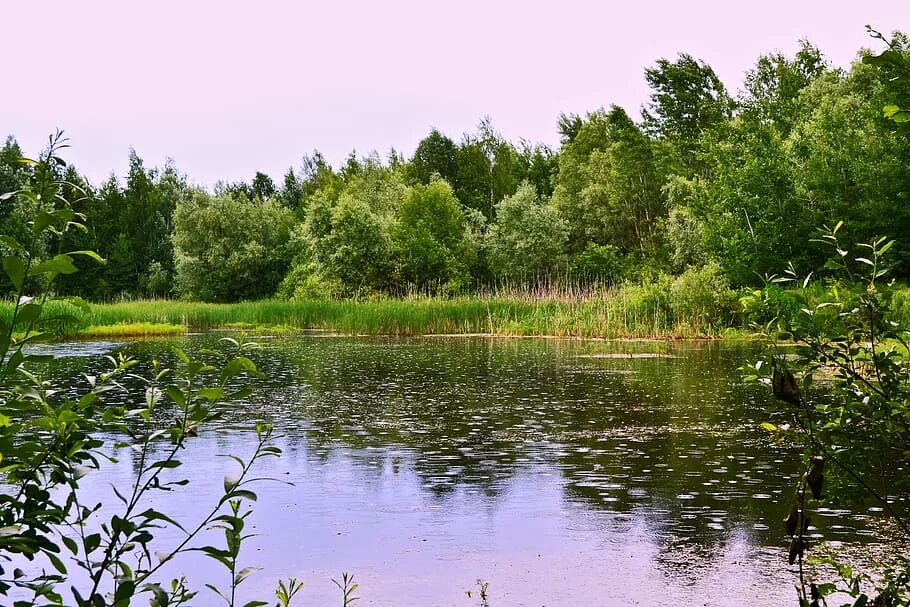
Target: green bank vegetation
696,304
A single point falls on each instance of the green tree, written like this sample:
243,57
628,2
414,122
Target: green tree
430,238
488,169
347,229
773,87
687,99
528,236
262,186
608,187
436,154
230,249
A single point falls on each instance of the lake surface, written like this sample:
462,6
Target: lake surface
560,472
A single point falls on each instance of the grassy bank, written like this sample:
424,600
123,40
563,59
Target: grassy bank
664,311
613,314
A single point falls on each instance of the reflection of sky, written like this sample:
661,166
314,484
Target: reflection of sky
423,465
407,546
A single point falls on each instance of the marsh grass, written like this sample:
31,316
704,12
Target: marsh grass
664,309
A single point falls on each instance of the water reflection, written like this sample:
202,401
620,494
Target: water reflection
582,472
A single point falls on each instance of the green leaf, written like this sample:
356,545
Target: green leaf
245,573
15,269
28,314
230,481
769,427
124,592
56,562
59,264
80,303
237,366
89,254
211,394
71,544
240,494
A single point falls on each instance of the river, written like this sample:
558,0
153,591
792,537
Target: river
559,472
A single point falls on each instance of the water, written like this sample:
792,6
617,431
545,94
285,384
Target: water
561,472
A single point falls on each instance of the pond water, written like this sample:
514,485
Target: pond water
560,472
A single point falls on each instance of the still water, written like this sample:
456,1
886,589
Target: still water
560,472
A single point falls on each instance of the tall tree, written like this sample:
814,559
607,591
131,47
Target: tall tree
687,98
608,187
436,154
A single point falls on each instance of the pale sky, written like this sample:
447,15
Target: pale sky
229,88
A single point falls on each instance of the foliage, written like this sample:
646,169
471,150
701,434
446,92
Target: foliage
687,100
706,176
429,237
228,249
599,263
607,187
856,431
527,237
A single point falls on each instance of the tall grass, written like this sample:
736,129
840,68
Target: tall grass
688,306
660,310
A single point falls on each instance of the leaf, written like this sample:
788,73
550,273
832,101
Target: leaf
71,544
56,562
58,264
866,261
237,366
230,482
769,427
125,590
211,394
154,515
245,573
239,494
80,303
10,242
89,254
15,269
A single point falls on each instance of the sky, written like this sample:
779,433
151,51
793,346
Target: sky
226,88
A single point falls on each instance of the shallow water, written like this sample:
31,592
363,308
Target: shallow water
561,472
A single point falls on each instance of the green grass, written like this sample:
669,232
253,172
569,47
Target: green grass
610,315
130,329
655,310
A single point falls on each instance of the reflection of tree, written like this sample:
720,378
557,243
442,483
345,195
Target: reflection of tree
671,444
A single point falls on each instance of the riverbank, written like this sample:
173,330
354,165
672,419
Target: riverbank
610,317
625,312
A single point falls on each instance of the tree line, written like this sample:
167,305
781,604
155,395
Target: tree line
706,178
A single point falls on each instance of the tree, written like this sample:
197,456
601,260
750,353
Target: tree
537,164
262,186
608,185
773,87
50,439
528,236
436,154
488,169
856,430
347,229
230,249
687,99
430,239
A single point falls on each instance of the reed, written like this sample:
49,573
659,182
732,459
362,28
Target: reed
627,311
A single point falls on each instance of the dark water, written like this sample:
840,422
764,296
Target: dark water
561,472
